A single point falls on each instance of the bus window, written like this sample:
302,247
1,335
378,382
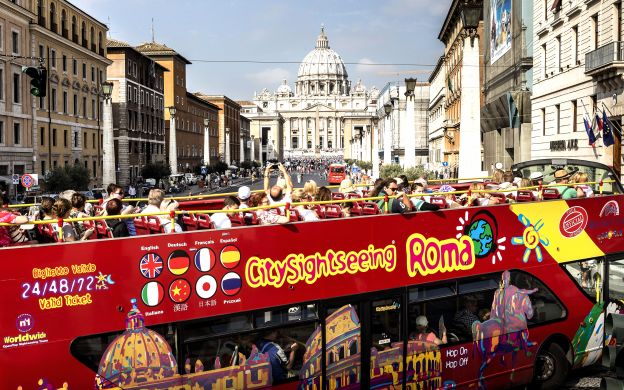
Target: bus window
387,347
588,275
432,292
546,307
616,279
215,326
290,314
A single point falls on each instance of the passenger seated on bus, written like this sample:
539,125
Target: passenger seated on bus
78,202
582,190
310,189
62,209
266,343
118,227
537,178
7,216
277,193
244,193
45,208
347,187
450,198
170,205
497,176
463,320
306,213
265,216
562,177
222,220
398,202
425,334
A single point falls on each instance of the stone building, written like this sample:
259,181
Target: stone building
441,145
508,56
190,109
321,116
577,72
138,110
229,127
66,128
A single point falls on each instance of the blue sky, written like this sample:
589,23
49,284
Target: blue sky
361,31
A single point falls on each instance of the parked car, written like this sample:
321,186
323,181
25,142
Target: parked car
191,178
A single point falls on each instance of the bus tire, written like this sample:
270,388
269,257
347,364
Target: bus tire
551,368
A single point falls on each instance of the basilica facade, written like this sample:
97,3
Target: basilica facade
324,115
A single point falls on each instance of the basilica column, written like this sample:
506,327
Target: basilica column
287,131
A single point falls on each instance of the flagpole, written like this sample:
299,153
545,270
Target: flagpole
613,125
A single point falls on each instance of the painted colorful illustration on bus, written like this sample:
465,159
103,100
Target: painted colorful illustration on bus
506,331
531,238
310,372
589,339
483,230
140,356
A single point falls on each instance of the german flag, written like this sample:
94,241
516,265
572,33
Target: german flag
230,257
178,262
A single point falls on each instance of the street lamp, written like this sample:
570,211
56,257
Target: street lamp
410,129
173,147
387,135
253,147
206,142
471,16
227,146
109,174
388,108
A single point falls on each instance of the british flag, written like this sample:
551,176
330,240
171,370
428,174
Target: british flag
151,265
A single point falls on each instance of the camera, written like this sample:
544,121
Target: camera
274,166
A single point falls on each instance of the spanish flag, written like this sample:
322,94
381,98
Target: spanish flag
230,256
178,262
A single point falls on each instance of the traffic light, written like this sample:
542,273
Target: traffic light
39,80
613,351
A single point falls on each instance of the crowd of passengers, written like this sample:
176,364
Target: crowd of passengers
72,204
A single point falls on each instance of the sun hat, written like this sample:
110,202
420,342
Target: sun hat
398,180
561,174
243,193
536,176
422,321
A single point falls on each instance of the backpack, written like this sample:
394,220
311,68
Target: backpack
281,355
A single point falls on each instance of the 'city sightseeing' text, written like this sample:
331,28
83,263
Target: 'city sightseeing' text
297,268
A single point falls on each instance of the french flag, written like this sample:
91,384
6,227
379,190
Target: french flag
204,259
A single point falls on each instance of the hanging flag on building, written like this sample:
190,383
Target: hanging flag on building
599,123
607,131
589,129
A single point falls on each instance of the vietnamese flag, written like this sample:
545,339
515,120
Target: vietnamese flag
231,283
152,293
178,262
179,290
230,256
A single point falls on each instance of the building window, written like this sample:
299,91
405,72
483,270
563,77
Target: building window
558,42
544,59
1,37
84,107
543,121
53,96
617,17
84,140
65,138
53,58
65,102
92,73
575,46
594,26
545,2
16,88
84,71
93,108
41,49
53,137
15,42
1,132
74,66
557,118
574,115
1,84
93,140
75,105
43,138
17,134
75,139
64,59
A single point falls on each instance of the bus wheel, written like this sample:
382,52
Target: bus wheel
551,368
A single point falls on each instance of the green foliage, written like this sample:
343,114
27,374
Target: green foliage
74,177
219,167
155,171
245,164
349,161
255,164
365,165
415,172
390,170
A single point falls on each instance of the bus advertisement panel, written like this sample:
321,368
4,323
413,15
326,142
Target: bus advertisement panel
467,297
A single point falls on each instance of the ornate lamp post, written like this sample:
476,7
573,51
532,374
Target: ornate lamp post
227,146
470,117
109,173
173,147
387,136
206,142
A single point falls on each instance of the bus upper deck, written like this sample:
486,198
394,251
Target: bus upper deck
345,299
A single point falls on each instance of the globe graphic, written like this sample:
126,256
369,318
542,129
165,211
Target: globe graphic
481,234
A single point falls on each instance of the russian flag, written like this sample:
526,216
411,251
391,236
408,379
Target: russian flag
204,259
178,262
230,256
152,293
231,283
206,286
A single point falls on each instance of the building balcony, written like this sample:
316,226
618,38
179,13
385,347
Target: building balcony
605,60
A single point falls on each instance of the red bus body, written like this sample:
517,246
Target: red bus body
54,294
337,173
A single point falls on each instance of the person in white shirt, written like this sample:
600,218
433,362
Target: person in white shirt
243,196
278,193
131,191
222,220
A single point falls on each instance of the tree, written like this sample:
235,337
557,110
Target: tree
155,171
219,167
245,164
74,177
415,172
390,170
365,165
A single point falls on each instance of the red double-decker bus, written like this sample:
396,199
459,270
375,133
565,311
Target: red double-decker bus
486,297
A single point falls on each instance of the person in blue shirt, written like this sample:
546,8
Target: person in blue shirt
277,357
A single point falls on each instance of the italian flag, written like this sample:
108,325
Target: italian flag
152,293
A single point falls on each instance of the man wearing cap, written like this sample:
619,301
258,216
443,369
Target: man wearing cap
243,195
561,177
424,334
